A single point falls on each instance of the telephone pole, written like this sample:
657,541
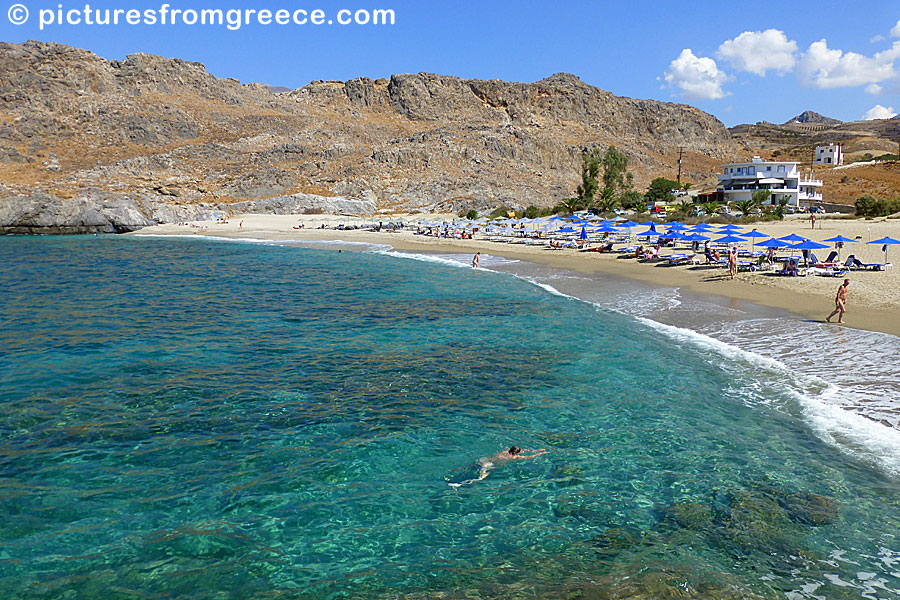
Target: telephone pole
680,153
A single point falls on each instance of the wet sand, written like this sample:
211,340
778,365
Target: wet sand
873,299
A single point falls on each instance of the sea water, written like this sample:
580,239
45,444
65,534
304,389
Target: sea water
204,419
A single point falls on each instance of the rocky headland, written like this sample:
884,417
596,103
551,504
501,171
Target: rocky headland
90,145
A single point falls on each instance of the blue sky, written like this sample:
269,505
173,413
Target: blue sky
743,63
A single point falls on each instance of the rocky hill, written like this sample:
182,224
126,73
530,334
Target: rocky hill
88,144
809,116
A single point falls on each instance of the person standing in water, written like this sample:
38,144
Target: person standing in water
489,462
840,303
475,260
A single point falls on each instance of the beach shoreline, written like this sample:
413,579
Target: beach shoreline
873,304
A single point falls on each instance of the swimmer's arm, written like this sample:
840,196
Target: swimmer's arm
540,452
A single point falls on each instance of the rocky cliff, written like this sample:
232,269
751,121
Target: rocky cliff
88,144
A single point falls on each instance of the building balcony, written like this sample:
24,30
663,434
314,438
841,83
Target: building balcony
812,183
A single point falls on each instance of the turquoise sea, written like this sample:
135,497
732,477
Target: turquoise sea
192,418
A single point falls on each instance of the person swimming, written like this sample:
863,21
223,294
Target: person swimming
489,462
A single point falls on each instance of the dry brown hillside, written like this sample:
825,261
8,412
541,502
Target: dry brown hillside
165,133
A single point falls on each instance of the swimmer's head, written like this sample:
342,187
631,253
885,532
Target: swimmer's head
514,450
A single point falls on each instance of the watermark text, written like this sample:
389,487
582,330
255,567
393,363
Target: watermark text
232,19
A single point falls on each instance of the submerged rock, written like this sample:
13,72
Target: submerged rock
690,515
811,509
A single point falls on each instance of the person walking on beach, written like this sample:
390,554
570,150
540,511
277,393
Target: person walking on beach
812,219
840,303
732,262
489,462
475,260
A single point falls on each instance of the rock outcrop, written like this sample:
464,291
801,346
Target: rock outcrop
90,144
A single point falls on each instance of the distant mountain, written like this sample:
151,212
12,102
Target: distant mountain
809,116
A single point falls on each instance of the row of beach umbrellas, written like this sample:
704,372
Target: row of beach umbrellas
730,234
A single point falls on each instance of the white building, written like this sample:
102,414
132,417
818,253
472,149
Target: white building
738,181
829,155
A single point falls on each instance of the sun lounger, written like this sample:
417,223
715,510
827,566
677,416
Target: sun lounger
828,271
679,259
854,264
602,248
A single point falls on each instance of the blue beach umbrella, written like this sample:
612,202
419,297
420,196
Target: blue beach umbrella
651,229
730,239
672,234
885,241
753,235
839,241
629,224
793,238
773,243
676,225
583,234
703,227
808,245
566,230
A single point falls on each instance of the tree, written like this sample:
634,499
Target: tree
633,200
532,212
710,208
472,215
782,203
745,206
607,200
615,171
660,190
590,168
685,206
572,204
761,196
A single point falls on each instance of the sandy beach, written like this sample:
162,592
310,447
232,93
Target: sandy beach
873,302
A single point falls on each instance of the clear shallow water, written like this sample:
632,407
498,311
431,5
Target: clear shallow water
188,418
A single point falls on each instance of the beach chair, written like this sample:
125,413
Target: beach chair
854,264
678,259
838,271
791,268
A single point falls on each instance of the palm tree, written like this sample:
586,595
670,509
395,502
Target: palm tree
606,200
745,206
710,208
685,206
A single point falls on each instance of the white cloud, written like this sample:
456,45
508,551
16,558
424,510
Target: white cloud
895,32
874,89
879,112
877,38
697,78
824,68
760,51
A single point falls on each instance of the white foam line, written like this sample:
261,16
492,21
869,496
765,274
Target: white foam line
426,258
851,433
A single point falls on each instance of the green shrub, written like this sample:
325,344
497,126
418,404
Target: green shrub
472,215
870,206
501,211
532,212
